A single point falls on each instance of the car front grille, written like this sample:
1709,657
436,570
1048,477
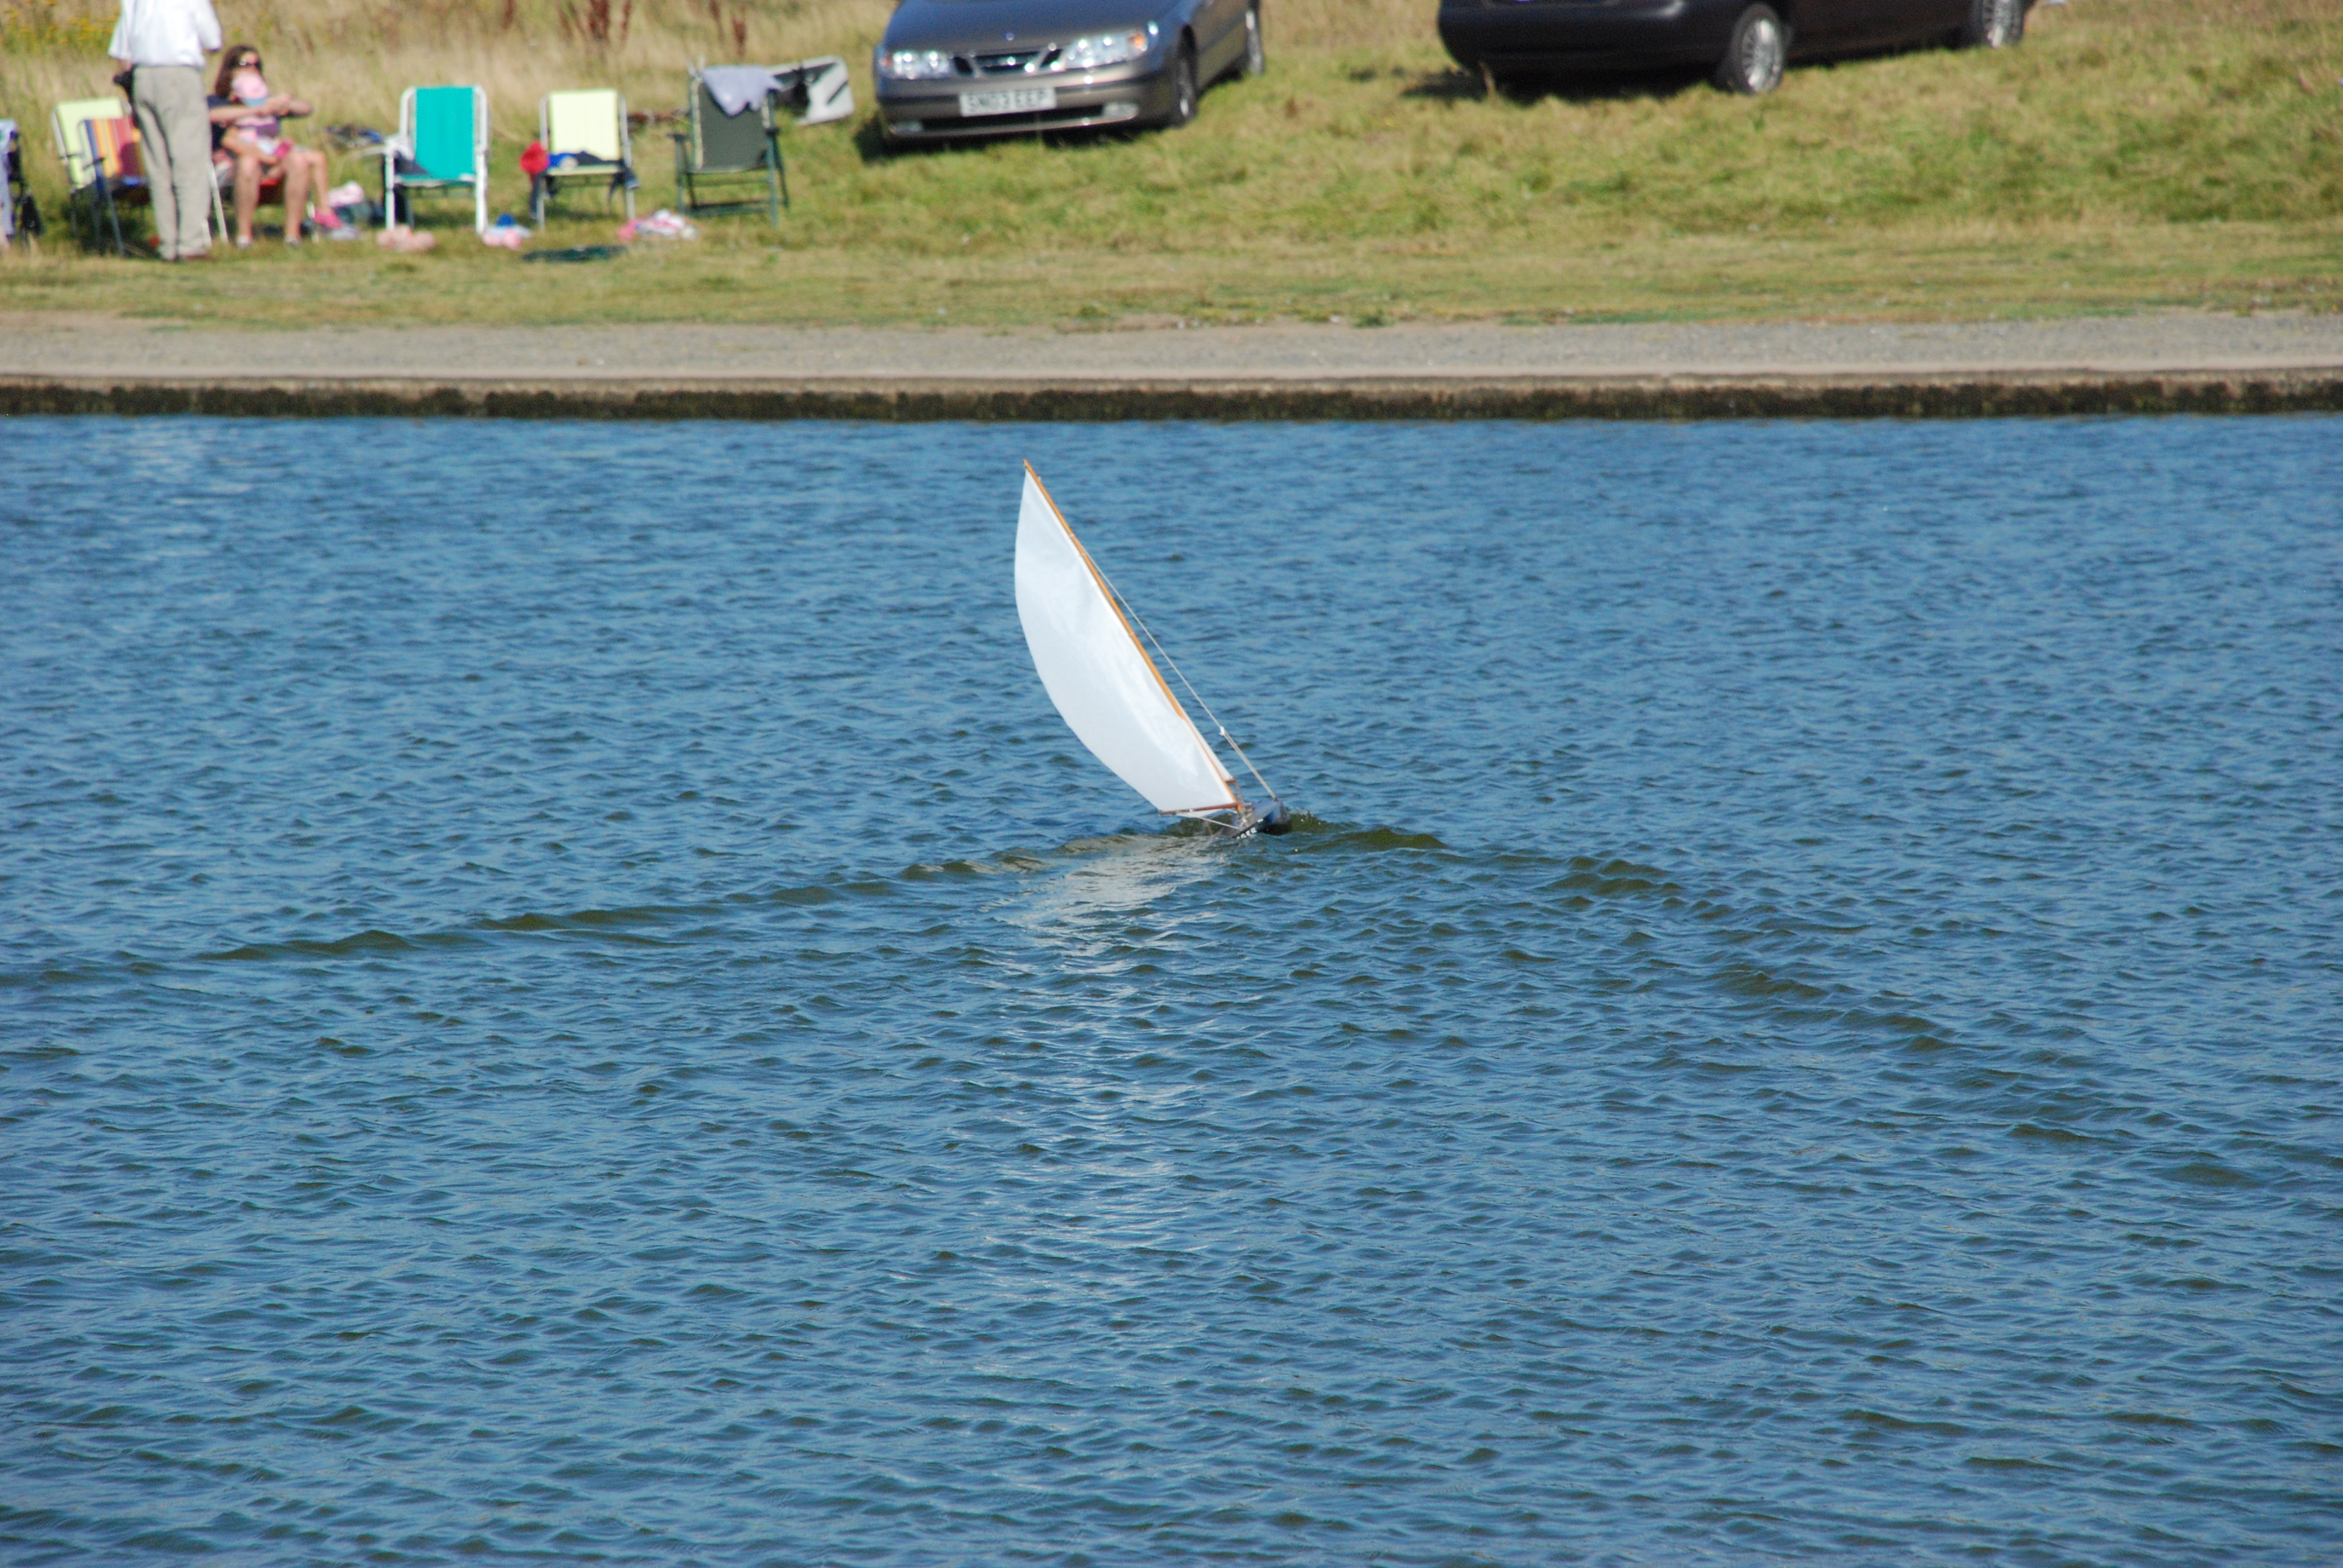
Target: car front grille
1021,62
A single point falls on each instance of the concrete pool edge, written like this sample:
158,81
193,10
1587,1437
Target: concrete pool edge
1767,395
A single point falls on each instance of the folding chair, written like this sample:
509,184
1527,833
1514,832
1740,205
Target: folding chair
64,129
718,147
19,213
272,192
586,136
442,144
98,142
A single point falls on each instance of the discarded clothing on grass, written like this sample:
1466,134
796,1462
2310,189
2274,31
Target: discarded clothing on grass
351,204
660,224
397,236
352,207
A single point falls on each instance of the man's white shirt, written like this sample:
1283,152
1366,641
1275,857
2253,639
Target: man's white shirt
165,33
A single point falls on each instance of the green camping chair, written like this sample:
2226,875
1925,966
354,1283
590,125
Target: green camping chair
442,145
586,136
722,148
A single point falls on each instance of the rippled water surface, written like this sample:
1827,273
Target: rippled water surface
565,994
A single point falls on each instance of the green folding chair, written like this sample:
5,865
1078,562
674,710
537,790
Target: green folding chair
720,148
586,136
442,146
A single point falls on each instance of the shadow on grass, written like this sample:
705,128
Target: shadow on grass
872,145
1646,86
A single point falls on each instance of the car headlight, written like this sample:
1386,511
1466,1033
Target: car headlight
1104,49
916,65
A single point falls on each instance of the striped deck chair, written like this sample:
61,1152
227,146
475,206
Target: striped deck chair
97,141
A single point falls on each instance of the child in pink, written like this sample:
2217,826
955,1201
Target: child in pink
259,127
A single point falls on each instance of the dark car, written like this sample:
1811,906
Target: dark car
997,67
1745,44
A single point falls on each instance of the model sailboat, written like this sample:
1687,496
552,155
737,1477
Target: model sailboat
1091,659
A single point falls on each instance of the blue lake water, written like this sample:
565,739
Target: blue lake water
565,995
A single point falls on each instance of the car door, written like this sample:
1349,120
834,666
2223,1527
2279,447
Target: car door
1825,26
1879,24
1219,25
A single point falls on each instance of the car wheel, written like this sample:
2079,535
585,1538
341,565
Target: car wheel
1183,86
1760,45
1255,61
1993,24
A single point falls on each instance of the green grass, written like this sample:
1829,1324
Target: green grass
2136,157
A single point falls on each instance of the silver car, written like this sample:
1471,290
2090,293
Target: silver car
950,68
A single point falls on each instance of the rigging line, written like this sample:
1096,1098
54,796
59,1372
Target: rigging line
1192,692
1141,622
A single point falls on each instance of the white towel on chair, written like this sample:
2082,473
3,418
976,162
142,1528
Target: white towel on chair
828,93
736,88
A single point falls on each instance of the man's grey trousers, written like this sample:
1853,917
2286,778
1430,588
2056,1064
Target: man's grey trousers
174,145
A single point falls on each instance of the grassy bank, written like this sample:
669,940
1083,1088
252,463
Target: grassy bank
2136,155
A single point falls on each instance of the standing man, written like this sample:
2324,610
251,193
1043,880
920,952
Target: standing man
164,43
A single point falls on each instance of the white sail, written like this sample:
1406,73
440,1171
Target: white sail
1100,678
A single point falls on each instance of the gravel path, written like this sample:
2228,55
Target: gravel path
62,346
2162,363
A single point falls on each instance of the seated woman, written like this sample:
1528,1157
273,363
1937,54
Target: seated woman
247,128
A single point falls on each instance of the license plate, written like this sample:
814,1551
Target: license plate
1010,101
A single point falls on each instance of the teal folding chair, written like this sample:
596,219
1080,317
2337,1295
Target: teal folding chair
442,146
